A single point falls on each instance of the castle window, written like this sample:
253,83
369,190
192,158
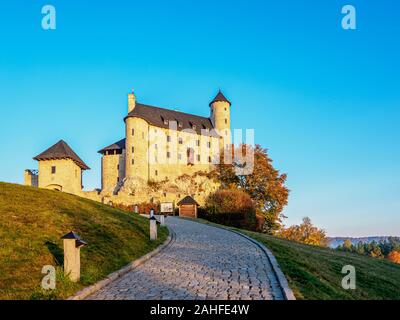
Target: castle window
180,141
165,194
190,156
226,121
53,169
117,179
208,144
204,127
225,109
117,167
133,132
168,154
179,156
156,173
198,143
198,158
209,159
133,161
133,149
168,138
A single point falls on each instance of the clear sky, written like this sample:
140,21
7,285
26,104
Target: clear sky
324,101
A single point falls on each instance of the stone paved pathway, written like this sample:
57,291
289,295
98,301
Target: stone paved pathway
202,262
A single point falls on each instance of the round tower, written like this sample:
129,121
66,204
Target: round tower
221,118
136,147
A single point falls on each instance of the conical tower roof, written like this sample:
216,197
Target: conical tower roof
220,97
61,150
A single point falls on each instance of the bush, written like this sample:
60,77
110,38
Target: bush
144,207
230,207
306,233
394,256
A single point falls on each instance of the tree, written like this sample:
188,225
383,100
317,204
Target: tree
360,248
264,184
231,207
375,250
305,233
347,245
394,256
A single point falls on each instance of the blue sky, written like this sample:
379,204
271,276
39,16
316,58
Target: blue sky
324,101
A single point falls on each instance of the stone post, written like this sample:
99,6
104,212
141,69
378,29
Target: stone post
162,220
72,255
153,228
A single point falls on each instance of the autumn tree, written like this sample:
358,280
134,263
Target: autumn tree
305,233
394,256
231,207
347,245
256,175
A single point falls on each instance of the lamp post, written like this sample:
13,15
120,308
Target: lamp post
72,255
153,226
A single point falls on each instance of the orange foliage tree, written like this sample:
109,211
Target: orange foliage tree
394,256
305,233
264,184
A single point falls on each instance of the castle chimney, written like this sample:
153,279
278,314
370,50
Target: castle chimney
131,101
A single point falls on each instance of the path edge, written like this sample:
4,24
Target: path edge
282,281
84,293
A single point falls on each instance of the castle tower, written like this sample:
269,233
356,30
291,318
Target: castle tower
137,146
220,116
60,168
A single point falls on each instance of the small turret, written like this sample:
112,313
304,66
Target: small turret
221,118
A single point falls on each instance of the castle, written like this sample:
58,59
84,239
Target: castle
164,157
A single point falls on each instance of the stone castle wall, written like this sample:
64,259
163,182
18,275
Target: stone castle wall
67,178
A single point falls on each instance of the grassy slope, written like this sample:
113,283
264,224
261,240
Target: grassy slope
315,273
31,224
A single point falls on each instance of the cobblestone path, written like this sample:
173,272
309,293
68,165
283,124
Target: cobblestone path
202,262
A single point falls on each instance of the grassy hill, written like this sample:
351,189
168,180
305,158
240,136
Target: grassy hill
314,273
33,220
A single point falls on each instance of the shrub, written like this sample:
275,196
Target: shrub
394,256
145,207
232,208
305,233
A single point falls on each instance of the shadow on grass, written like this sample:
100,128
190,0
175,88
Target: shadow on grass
56,251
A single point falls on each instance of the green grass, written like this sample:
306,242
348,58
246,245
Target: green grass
314,273
32,221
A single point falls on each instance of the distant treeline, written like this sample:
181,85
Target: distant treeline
381,249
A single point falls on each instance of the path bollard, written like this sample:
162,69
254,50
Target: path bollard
162,220
153,228
72,255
